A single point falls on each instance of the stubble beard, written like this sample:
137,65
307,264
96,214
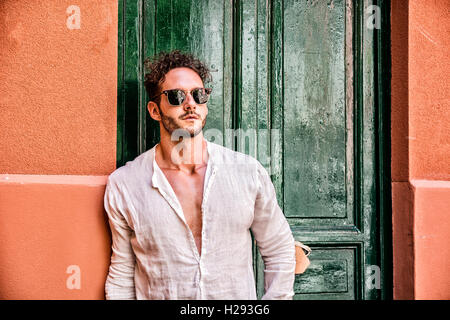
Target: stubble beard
170,124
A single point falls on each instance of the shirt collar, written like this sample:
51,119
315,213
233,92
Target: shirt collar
157,172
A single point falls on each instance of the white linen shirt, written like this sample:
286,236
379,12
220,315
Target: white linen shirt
154,255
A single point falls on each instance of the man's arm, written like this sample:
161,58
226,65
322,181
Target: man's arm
275,241
120,281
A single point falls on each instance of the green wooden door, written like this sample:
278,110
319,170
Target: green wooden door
305,78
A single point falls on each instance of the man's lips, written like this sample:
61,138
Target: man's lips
190,117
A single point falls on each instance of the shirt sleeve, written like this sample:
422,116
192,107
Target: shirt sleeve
120,280
275,241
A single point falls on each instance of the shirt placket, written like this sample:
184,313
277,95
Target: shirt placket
202,267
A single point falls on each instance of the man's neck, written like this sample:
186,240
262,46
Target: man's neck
187,155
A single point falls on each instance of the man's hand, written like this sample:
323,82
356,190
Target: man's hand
302,261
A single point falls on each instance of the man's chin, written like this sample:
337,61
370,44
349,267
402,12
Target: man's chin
194,133
191,131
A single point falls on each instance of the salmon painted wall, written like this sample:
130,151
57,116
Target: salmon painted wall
58,90
429,144
402,197
421,148
58,87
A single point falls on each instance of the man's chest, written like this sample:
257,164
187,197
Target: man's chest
188,189
228,204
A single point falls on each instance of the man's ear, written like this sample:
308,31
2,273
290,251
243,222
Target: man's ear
153,110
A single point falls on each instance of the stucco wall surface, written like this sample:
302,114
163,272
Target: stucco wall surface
58,87
420,148
58,93
54,239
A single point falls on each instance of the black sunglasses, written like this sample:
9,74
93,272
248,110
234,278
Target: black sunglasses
177,96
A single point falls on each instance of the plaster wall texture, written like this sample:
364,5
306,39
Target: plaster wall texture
58,87
58,92
420,148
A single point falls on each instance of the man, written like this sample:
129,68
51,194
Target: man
181,213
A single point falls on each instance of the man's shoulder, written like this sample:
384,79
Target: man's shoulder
134,169
226,156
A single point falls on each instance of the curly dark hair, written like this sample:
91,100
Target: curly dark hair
159,65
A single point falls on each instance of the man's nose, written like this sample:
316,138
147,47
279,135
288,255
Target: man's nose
189,103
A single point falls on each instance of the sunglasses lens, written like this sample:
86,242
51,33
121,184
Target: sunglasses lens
200,95
175,97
